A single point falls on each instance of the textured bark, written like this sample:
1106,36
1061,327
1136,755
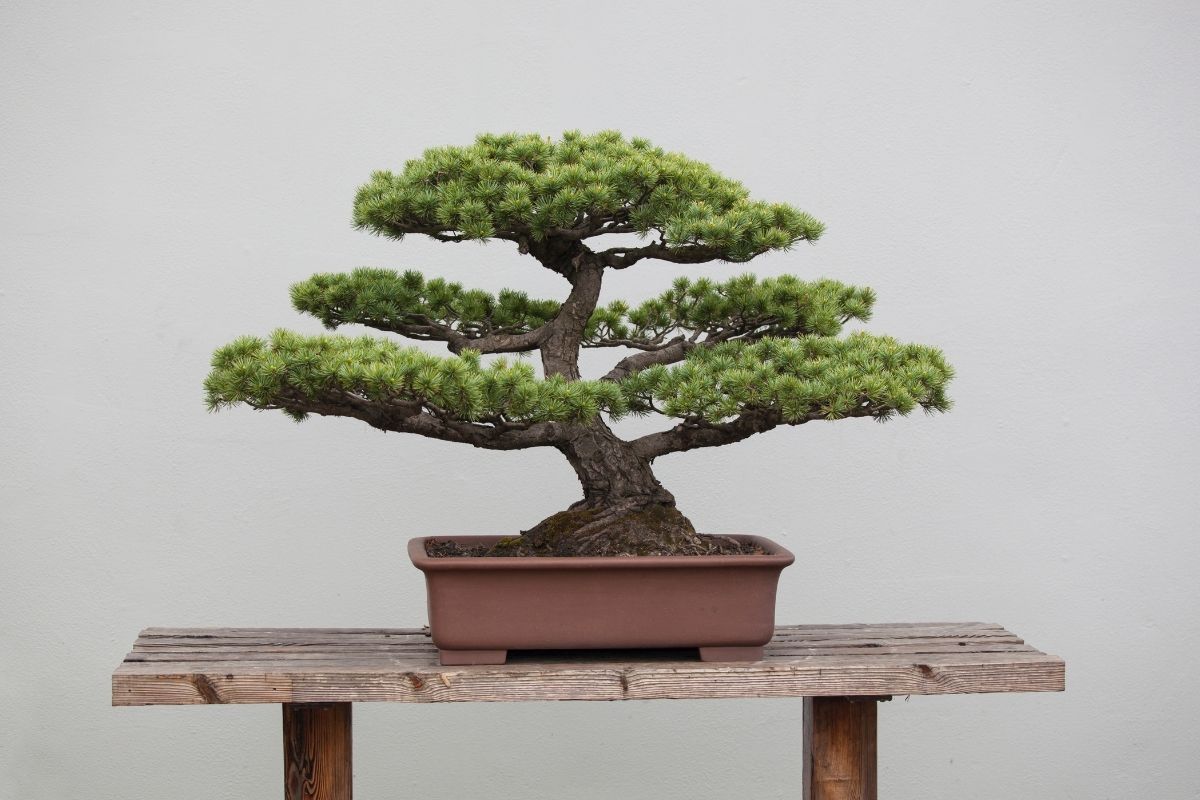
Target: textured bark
624,510
669,353
609,469
412,417
690,436
427,330
564,334
622,257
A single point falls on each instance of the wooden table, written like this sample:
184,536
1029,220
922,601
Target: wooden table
841,671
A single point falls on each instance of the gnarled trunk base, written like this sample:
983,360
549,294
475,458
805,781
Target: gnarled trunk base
620,529
630,529
625,511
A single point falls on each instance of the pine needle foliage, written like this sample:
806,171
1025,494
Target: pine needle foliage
743,306
804,379
725,358
514,185
382,298
289,371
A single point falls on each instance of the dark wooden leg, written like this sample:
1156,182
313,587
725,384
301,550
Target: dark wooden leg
839,748
317,762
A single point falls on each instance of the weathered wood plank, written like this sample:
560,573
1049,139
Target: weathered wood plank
372,642
849,626
177,655
672,660
295,665
422,680
884,628
303,632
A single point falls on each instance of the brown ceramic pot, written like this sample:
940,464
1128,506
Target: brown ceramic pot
480,608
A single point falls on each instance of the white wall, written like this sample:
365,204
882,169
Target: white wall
1017,180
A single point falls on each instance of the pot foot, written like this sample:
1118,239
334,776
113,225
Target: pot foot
455,658
731,653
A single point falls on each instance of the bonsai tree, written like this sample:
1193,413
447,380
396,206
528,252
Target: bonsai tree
724,359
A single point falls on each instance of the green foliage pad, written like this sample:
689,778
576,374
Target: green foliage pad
289,371
812,377
726,358
515,185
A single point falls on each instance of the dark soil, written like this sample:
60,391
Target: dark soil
711,545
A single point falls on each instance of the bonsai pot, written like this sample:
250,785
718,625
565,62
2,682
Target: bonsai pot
482,607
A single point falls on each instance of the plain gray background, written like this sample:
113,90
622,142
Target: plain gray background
1017,180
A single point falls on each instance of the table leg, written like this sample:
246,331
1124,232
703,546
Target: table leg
839,748
317,761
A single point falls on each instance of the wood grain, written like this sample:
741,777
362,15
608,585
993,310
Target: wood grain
317,757
840,748
180,666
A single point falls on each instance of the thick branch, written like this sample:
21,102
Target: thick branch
616,227
411,417
428,330
692,434
622,257
555,253
400,228
670,353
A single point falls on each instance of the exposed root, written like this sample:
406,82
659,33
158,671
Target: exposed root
631,529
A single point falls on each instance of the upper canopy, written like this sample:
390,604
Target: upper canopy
523,187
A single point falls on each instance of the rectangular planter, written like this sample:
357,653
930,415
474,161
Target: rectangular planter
480,608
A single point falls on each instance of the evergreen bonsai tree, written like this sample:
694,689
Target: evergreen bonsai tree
726,360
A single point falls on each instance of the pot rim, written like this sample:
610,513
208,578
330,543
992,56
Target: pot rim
775,557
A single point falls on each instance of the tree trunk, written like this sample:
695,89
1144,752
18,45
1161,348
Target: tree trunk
560,348
609,469
624,510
